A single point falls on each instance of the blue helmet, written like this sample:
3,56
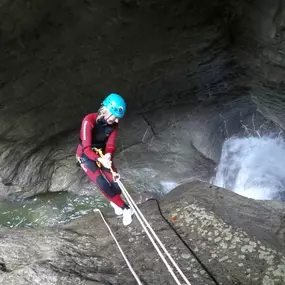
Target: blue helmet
115,104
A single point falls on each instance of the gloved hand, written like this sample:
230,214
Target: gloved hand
105,162
108,156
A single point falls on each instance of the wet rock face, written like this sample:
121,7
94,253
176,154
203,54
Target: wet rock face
233,234
258,40
193,73
235,244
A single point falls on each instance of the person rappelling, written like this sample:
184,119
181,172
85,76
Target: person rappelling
95,153
98,136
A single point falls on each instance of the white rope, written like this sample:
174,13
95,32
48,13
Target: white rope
124,256
140,216
154,244
143,220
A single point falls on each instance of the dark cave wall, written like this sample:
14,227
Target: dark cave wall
257,29
67,58
187,66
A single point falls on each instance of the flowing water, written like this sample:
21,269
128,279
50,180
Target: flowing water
253,167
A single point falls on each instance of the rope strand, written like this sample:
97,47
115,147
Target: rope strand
118,245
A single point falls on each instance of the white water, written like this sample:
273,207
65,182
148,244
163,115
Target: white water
253,167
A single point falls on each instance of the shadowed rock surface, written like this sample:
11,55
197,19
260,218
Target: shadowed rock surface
238,240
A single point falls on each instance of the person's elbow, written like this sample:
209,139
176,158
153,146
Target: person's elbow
110,148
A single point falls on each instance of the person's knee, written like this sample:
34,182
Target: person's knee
105,186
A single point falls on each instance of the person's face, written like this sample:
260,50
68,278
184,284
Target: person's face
110,119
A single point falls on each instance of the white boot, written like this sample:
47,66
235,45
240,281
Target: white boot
118,210
127,216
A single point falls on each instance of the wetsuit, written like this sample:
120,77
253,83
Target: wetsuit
99,134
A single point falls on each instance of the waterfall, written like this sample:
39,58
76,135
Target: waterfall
253,167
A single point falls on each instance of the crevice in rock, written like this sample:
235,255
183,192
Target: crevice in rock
202,154
148,123
3,267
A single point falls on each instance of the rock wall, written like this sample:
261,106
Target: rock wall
237,240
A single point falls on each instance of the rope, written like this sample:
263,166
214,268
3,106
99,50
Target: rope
143,220
118,245
144,223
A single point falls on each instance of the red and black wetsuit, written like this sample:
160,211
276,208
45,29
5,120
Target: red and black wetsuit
99,135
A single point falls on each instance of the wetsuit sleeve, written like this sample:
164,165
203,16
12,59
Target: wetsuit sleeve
111,142
86,135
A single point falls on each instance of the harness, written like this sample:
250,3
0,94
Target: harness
84,158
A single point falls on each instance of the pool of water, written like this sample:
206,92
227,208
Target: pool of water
48,209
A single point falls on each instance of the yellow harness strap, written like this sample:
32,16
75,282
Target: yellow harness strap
100,152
